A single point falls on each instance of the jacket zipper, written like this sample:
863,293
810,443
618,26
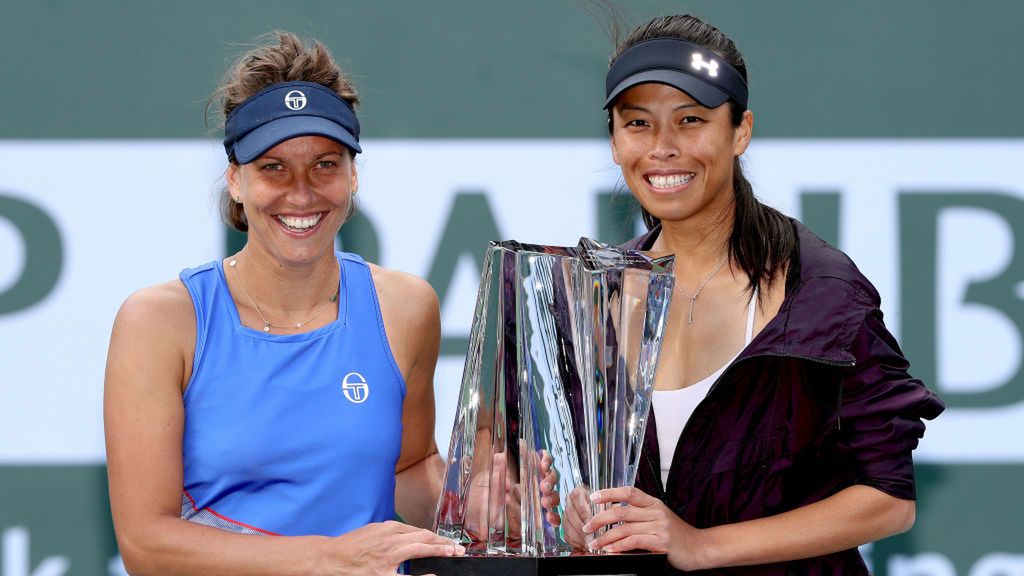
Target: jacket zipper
656,473
839,404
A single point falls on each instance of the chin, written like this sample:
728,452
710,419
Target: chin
670,215
305,256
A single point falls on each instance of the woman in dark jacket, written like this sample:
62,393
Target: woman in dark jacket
784,417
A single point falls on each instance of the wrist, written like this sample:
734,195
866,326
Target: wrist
708,553
318,555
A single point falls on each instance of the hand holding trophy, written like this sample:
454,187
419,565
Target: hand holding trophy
553,406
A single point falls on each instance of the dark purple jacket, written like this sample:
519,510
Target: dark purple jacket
820,400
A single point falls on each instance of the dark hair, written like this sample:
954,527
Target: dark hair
278,57
762,238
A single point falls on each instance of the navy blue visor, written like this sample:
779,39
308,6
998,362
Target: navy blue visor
700,73
288,110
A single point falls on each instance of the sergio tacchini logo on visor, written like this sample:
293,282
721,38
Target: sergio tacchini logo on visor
295,100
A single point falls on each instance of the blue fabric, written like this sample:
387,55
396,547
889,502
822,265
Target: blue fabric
284,111
274,439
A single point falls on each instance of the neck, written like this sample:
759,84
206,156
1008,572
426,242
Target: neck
698,248
287,290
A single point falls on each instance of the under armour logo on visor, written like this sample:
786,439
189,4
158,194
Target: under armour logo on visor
295,100
698,63
355,388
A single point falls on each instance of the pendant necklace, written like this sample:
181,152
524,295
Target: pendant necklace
267,325
693,299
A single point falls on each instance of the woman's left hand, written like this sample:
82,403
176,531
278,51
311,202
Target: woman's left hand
644,523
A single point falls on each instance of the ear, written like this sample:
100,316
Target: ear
611,137
234,179
615,150
743,133
355,176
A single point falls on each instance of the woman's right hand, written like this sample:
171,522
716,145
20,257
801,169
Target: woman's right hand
382,547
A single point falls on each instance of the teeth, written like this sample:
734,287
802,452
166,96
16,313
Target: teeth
670,181
299,223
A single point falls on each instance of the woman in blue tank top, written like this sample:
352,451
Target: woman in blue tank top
269,413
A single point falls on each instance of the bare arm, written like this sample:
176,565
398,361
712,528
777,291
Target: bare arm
852,517
148,363
418,487
150,348
849,518
420,470
412,321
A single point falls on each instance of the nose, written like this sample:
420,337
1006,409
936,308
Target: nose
664,145
302,192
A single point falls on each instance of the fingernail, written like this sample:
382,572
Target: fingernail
586,527
460,548
449,550
545,487
595,497
592,545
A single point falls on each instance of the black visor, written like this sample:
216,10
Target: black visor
700,73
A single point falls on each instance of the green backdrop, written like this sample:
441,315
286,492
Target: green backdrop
530,68
525,69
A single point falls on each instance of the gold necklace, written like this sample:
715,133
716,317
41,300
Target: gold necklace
267,325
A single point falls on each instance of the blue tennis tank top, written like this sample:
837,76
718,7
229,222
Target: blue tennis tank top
291,434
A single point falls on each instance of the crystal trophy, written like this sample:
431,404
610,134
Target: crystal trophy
554,399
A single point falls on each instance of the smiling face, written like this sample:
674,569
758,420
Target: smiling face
676,155
295,196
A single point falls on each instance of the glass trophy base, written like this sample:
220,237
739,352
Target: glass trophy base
638,564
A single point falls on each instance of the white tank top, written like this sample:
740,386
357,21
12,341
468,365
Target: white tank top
673,408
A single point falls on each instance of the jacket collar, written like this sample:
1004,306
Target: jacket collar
827,299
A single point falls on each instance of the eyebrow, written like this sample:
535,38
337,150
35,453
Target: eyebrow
638,108
281,160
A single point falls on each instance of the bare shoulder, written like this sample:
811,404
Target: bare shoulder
167,306
412,319
155,326
405,293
